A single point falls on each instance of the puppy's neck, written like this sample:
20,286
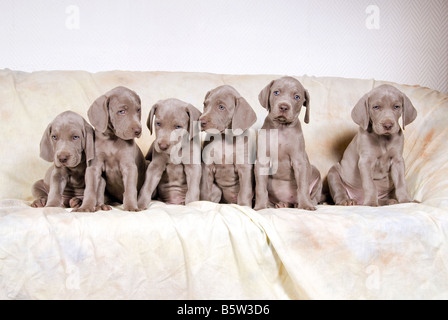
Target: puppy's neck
383,137
110,137
81,167
106,135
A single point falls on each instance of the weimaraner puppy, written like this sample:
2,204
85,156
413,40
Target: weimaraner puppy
174,172
295,182
119,165
372,169
224,179
68,141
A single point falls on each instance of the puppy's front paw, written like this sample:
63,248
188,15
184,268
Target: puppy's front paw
347,203
84,209
371,203
307,207
282,205
391,202
103,207
75,202
54,205
260,206
131,208
39,203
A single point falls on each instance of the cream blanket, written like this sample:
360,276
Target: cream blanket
211,251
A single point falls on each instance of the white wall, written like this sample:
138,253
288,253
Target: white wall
405,41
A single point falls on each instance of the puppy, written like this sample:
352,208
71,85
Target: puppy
119,165
225,179
68,141
174,172
294,182
372,169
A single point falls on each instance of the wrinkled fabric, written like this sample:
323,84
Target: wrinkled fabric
213,251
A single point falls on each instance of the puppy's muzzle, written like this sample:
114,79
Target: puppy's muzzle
163,146
137,132
284,107
388,125
63,157
204,124
66,159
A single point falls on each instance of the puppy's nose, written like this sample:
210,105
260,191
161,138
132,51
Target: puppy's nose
283,107
388,125
163,146
137,131
63,157
203,123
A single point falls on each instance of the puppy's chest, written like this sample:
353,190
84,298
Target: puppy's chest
112,153
174,175
383,161
76,181
289,143
223,153
75,177
226,175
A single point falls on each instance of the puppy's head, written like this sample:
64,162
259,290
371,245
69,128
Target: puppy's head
225,108
65,141
172,120
284,98
382,108
117,112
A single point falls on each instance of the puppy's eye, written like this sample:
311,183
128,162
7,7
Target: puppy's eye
397,107
221,107
139,110
376,108
276,93
178,127
121,112
297,97
75,138
54,137
158,124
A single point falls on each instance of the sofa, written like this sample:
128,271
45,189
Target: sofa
214,251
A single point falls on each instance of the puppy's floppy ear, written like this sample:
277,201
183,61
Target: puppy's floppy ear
264,95
88,142
409,112
152,113
360,113
207,95
46,146
98,113
244,116
306,104
193,114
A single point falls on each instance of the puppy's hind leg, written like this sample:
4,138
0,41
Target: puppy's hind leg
316,187
337,189
40,193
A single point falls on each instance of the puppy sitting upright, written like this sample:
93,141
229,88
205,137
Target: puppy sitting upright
68,142
119,165
372,169
174,173
285,178
227,176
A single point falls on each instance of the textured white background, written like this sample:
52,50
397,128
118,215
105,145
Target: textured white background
320,37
